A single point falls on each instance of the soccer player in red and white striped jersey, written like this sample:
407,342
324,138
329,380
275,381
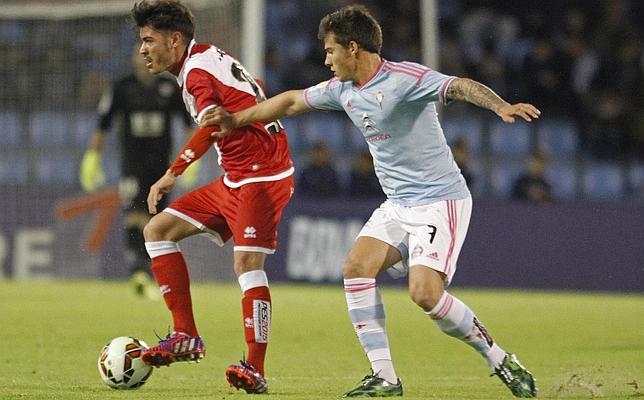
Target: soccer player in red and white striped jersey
245,203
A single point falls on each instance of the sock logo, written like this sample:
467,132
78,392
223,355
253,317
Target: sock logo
261,320
164,289
483,331
248,322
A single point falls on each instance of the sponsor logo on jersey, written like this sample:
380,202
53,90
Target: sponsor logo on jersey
250,232
262,320
378,138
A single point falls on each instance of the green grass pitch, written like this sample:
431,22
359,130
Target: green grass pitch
578,345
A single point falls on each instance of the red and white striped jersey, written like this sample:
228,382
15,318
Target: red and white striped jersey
210,78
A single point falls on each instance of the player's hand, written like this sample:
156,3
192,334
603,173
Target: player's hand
164,185
526,111
91,171
218,117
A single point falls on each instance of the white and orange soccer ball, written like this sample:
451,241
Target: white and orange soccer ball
120,364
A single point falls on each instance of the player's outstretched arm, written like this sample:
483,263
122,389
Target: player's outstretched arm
283,105
480,95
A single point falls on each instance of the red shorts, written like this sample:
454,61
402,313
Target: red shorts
249,214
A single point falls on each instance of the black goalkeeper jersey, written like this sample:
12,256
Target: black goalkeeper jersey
142,117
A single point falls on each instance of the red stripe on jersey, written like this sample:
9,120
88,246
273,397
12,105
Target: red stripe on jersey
404,71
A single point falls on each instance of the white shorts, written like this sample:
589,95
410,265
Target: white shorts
431,235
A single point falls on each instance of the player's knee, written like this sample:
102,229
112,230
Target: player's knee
353,268
153,232
248,261
424,297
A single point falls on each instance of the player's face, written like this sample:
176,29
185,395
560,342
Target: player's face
157,49
339,58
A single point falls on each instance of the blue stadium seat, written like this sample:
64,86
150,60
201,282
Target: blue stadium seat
57,168
10,129
562,175
636,180
84,125
510,139
603,180
327,127
503,175
49,129
468,128
354,137
558,137
14,168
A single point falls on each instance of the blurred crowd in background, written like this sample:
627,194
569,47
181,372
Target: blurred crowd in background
581,62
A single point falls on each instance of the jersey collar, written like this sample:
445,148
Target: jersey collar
178,67
382,62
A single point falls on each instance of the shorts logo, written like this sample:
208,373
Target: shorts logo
250,232
433,256
261,320
418,250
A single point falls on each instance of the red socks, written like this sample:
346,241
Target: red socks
256,308
171,273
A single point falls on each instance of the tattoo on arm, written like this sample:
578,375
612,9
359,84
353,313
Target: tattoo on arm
474,92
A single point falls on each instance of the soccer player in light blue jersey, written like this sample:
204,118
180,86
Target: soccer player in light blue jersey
420,228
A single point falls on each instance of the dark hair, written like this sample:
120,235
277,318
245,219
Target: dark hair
164,15
353,23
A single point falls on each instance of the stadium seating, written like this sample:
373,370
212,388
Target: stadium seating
502,176
557,137
468,128
57,167
49,129
327,127
513,140
84,124
563,176
636,180
603,180
14,168
10,129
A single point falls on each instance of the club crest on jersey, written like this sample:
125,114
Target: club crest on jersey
320,85
380,97
250,232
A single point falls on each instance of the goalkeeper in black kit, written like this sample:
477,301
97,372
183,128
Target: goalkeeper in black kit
139,108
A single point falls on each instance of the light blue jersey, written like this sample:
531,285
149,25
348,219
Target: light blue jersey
396,112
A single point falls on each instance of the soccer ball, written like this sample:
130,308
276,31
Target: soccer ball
120,364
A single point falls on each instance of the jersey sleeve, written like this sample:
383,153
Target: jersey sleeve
324,96
205,89
107,107
431,86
